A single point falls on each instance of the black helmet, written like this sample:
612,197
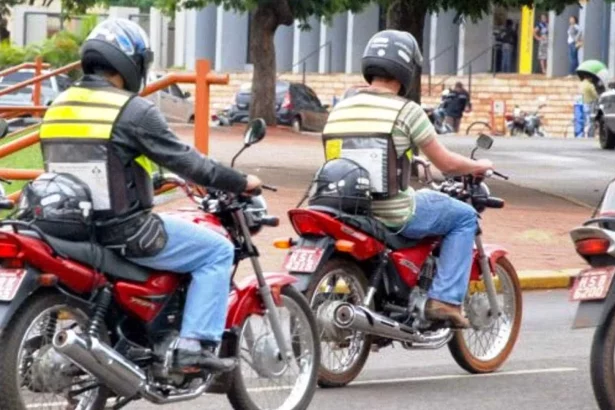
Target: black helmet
118,45
344,185
392,54
58,204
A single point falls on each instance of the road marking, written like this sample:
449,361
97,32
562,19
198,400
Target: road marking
398,380
465,376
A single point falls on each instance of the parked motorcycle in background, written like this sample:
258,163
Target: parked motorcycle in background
595,290
436,116
521,122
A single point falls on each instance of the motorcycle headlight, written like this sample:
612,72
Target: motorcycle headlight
257,206
485,189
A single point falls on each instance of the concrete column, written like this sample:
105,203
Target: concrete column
336,34
361,27
231,40
123,12
444,42
611,53
159,38
323,59
284,41
205,29
557,63
306,42
180,38
591,22
426,44
28,25
472,43
190,41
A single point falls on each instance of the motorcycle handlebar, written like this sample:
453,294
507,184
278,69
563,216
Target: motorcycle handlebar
490,202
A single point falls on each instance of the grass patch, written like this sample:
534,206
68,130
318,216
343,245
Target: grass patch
27,158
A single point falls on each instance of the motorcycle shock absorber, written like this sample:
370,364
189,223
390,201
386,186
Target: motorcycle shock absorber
51,325
376,279
103,301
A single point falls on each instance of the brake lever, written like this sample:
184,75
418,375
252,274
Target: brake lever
270,188
497,174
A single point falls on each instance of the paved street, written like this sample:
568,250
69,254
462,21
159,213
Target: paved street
571,167
547,371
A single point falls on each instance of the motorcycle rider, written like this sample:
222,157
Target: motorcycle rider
380,120
100,131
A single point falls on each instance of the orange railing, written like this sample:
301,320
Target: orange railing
202,78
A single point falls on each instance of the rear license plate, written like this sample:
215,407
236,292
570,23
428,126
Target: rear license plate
592,284
304,260
10,281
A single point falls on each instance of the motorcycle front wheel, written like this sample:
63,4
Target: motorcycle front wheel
263,380
602,364
485,347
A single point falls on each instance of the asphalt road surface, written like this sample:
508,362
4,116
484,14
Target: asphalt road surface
573,168
548,370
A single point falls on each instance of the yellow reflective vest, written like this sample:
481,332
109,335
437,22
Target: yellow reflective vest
77,138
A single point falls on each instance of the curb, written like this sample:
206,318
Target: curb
529,280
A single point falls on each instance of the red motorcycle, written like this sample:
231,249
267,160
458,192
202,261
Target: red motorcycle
81,325
368,286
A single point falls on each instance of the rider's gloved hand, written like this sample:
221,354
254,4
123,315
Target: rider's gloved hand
482,166
254,184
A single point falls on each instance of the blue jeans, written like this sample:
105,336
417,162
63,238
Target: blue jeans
440,215
208,256
573,57
507,55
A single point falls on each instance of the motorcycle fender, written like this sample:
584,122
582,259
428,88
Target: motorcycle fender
29,285
245,299
327,244
493,252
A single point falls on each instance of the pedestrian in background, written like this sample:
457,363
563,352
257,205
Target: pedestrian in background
575,41
508,37
541,34
457,102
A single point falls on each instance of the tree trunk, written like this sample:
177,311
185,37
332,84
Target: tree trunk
409,15
265,20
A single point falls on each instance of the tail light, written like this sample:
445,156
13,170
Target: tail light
592,246
306,225
287,103
10,253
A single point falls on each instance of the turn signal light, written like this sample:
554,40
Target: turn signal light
344,246
593,246
283,243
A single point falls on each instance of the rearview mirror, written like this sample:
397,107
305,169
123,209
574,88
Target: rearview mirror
4,128
255,131
484,141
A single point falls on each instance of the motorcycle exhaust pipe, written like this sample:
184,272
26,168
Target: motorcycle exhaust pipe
361,319
102,362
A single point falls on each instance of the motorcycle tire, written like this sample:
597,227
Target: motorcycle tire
239,396
607,138
459,348
602,365
11,342
327,378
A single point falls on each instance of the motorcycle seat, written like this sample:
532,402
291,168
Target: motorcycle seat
96,256
371,227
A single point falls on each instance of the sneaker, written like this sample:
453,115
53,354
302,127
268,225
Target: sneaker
189,361
445,312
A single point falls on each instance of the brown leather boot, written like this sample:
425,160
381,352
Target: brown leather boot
436,310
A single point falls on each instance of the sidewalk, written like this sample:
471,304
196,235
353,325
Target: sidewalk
533,226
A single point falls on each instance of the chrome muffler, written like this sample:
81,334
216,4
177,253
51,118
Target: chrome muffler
101,361
361,319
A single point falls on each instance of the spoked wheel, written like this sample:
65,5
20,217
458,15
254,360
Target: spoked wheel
485,347
344,352
263,380
34,375
478,127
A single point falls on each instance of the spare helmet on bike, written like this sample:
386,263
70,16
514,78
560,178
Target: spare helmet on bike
343,185
392,54
58,204
119,46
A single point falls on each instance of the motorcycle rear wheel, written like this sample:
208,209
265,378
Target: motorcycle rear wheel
347,275
602,364
495,347
20,355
